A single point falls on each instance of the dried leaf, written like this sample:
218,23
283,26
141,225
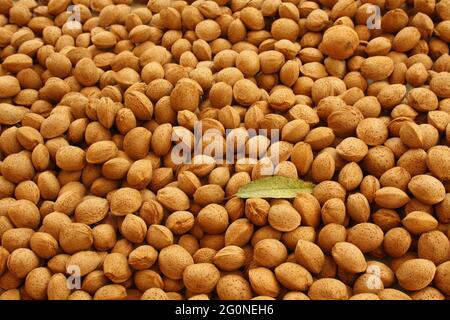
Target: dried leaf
274,187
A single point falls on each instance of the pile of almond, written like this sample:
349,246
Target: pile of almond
96,97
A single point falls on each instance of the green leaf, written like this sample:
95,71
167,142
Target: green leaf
274,187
